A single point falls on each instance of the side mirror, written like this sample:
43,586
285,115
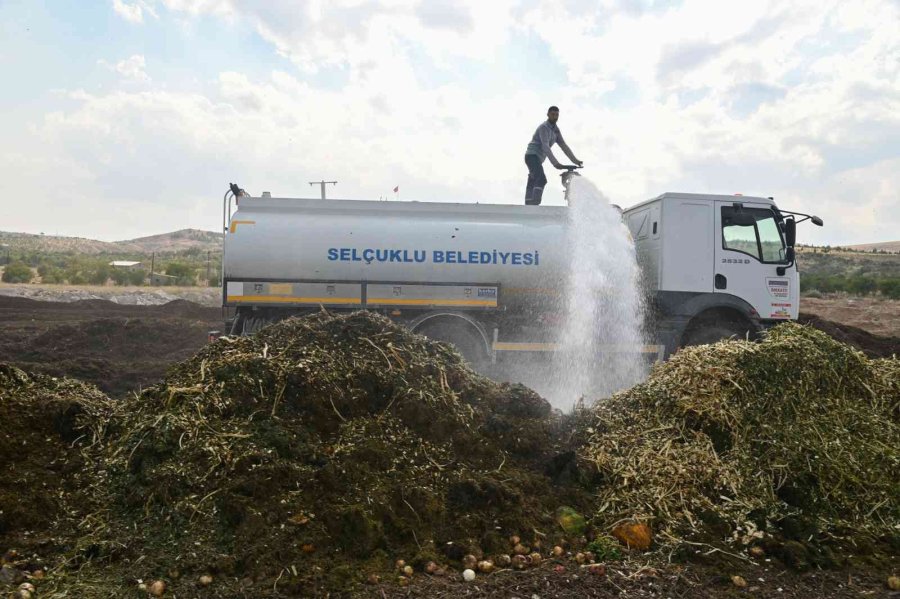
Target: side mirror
790,233
789,256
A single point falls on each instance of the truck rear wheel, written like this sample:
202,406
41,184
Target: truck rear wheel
254,324
466,341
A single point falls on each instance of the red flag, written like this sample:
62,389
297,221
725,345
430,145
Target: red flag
397,189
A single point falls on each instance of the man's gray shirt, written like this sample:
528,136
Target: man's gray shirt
545,136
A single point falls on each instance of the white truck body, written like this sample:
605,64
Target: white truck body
499,270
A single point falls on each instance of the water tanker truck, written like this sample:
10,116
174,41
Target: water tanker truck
488,278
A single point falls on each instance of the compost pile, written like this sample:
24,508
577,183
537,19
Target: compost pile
317,452
306,459
49,430
736,436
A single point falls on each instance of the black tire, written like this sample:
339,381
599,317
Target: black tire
254,324
462,337
713,332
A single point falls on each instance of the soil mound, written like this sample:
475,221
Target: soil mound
874,346
118,348
735,436
48,429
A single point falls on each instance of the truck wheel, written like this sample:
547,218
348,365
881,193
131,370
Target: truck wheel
466,341
254,324
713,332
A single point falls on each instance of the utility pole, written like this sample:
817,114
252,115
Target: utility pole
207,268
152,265
322,184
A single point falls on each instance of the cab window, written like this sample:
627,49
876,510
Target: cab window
761,239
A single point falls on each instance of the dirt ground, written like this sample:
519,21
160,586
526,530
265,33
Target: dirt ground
121,348
117,347
696,580
877,316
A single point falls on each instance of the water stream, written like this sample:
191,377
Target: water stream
603,305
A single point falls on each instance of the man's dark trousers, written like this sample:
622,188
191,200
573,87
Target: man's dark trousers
534,189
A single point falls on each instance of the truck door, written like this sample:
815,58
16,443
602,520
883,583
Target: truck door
749,250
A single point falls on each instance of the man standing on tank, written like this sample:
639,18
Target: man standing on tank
544,137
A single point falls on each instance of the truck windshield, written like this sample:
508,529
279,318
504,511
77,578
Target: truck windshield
762,240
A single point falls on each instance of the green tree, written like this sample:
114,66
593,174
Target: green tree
99,275
53,275
180,270
120,276
74,275
861,285
17,272
137,276
889,288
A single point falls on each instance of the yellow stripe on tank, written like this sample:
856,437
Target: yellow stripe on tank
279,299
431,302
235,223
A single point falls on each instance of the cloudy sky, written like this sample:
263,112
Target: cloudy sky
123,118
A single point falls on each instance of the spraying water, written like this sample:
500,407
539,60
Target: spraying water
603,305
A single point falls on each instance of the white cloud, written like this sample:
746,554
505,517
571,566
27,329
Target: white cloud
133,13
800,101
130,68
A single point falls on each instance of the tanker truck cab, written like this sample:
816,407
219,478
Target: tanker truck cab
715,266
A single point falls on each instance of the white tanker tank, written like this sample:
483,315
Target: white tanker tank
301,252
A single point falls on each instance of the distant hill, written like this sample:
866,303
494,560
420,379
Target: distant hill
176,241
840,262
886,246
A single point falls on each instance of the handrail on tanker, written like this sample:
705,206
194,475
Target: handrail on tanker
234,191
226,210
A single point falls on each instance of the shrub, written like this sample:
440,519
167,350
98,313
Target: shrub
861,285
99,275
889,288
17,272
120,276
53,275
137,276
180,270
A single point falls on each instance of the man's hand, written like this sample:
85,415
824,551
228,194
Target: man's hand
580,163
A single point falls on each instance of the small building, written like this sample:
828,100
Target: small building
125,264
159,280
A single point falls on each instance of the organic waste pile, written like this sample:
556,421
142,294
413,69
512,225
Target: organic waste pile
798,430
308,459
313,454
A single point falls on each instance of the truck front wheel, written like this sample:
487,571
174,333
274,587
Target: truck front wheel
704,333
